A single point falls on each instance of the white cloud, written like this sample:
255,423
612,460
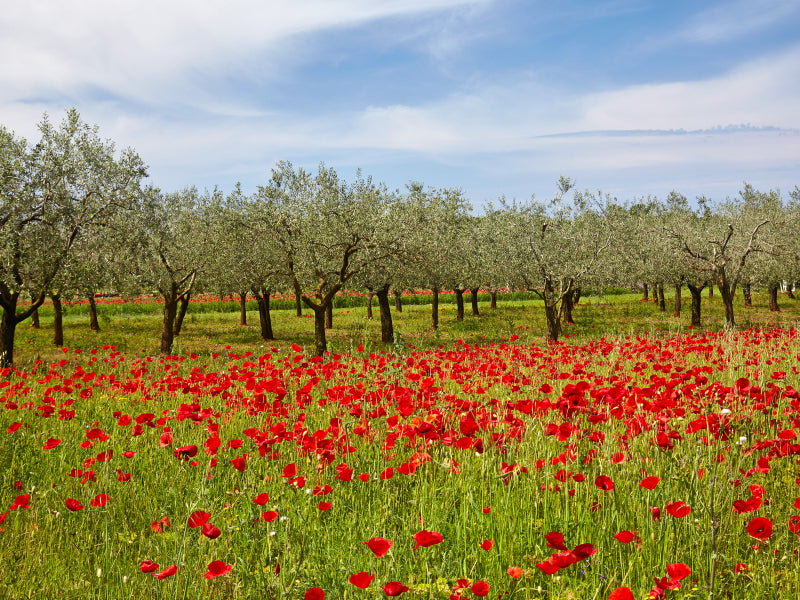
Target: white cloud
734,20
151,50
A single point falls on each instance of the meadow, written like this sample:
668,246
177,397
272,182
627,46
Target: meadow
635,458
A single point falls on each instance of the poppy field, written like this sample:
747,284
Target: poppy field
619,467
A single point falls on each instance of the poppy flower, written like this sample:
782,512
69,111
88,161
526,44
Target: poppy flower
185,452
514,572
649,483
426,539
51,443
168,572
314,593
486,510
148,566
794,524
261,499
379,546
74,505
99,500
21,501
480,588
678,509
198,518
584,551
760,528
678,571
324,506
361,579
269,516
740,568
621,593
387,473
394,588
604,482
555,539
217,568
625,537
486,545
239,464
210,531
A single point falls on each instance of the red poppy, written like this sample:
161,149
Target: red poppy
621,593
480,589
74,505
289,471
21,501
51,443
555,539
99,500
514,572
625,537
198,518
361,579
210,531
678,509
217,568
314,593
239,464
185,452
379,546
148,566
387,473
269,516
760,528
324,506
261,499
168,572
425,538
394,588
486,510
649,483
740,568
604,482
584,551
678,571
487,545
794,524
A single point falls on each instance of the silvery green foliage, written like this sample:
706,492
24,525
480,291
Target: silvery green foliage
56,195
557,247
720,240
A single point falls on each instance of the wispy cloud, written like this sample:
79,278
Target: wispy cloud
733,20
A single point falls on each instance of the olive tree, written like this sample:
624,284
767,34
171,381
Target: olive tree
327,231
554,249
52,195
720,238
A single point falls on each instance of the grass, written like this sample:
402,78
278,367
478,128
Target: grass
477,422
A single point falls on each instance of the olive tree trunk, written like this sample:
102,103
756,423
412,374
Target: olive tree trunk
493,299
459,304
264,317
35,320
58,320
435,308
697,301
473,298
242,309
773,297
398,302
748,298
184,305
168,323
387,327
370,295
676,312
9,322
94,324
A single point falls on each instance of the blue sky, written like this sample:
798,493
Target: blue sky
497,97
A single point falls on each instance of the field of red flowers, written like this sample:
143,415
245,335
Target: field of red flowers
621,468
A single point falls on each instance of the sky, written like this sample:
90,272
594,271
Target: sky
633,98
